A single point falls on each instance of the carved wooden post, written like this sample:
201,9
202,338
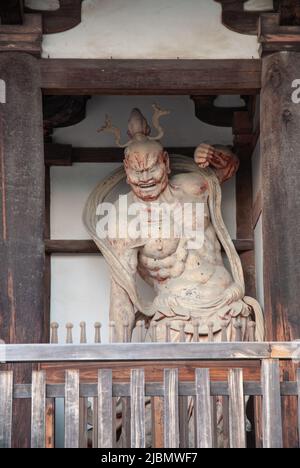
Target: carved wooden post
22,317
280,146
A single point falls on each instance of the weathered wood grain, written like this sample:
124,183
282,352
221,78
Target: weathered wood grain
157,413
150,77
203,410
6,395
105,415
171,415
271,404
280,145
137,391
38,409
83,421
50,422
72,409
237,428
22,206
149,351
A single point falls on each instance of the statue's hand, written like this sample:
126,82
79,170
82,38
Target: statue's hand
222,160
204,155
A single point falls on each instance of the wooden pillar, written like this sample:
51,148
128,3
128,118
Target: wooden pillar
280,147
22,206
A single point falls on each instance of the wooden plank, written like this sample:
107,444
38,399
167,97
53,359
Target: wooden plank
137,391
150,77
183,422
126,422
280,140
6,395
280,143
157,409
23,38
171,417
271,404
204,430
38,409
154,389
105,413
72,409
149,351
22,207
243,126
88,246
237,427
83,421
50,422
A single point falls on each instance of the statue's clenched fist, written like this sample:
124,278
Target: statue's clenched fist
223,160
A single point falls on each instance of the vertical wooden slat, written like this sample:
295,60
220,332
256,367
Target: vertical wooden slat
183,422
6,395
105,413
157,408
203,410
298,390
171,419
95,422
137,392
237,426
50,423
38,410
72,409
126,424
271,404
83,410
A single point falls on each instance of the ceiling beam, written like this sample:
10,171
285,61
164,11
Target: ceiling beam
150,77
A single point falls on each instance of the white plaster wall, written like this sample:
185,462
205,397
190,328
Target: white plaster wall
162,29
80,284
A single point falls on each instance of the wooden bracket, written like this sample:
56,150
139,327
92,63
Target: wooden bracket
25,37
235,18
274,37
206,111
63,111
66,17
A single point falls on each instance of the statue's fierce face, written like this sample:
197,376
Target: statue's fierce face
147,173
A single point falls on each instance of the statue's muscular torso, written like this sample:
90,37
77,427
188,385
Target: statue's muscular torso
170,266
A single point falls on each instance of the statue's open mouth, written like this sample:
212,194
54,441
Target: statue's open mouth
147,186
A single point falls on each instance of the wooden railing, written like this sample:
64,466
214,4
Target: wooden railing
176,383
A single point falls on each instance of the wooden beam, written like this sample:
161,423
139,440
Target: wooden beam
22,207
280,145
150,77
243,147
26,37
275,37
66,155
88,246
151,352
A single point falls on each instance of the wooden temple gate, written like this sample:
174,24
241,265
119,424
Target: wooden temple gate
25,158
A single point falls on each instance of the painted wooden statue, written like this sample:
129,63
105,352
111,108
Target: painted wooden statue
192,289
